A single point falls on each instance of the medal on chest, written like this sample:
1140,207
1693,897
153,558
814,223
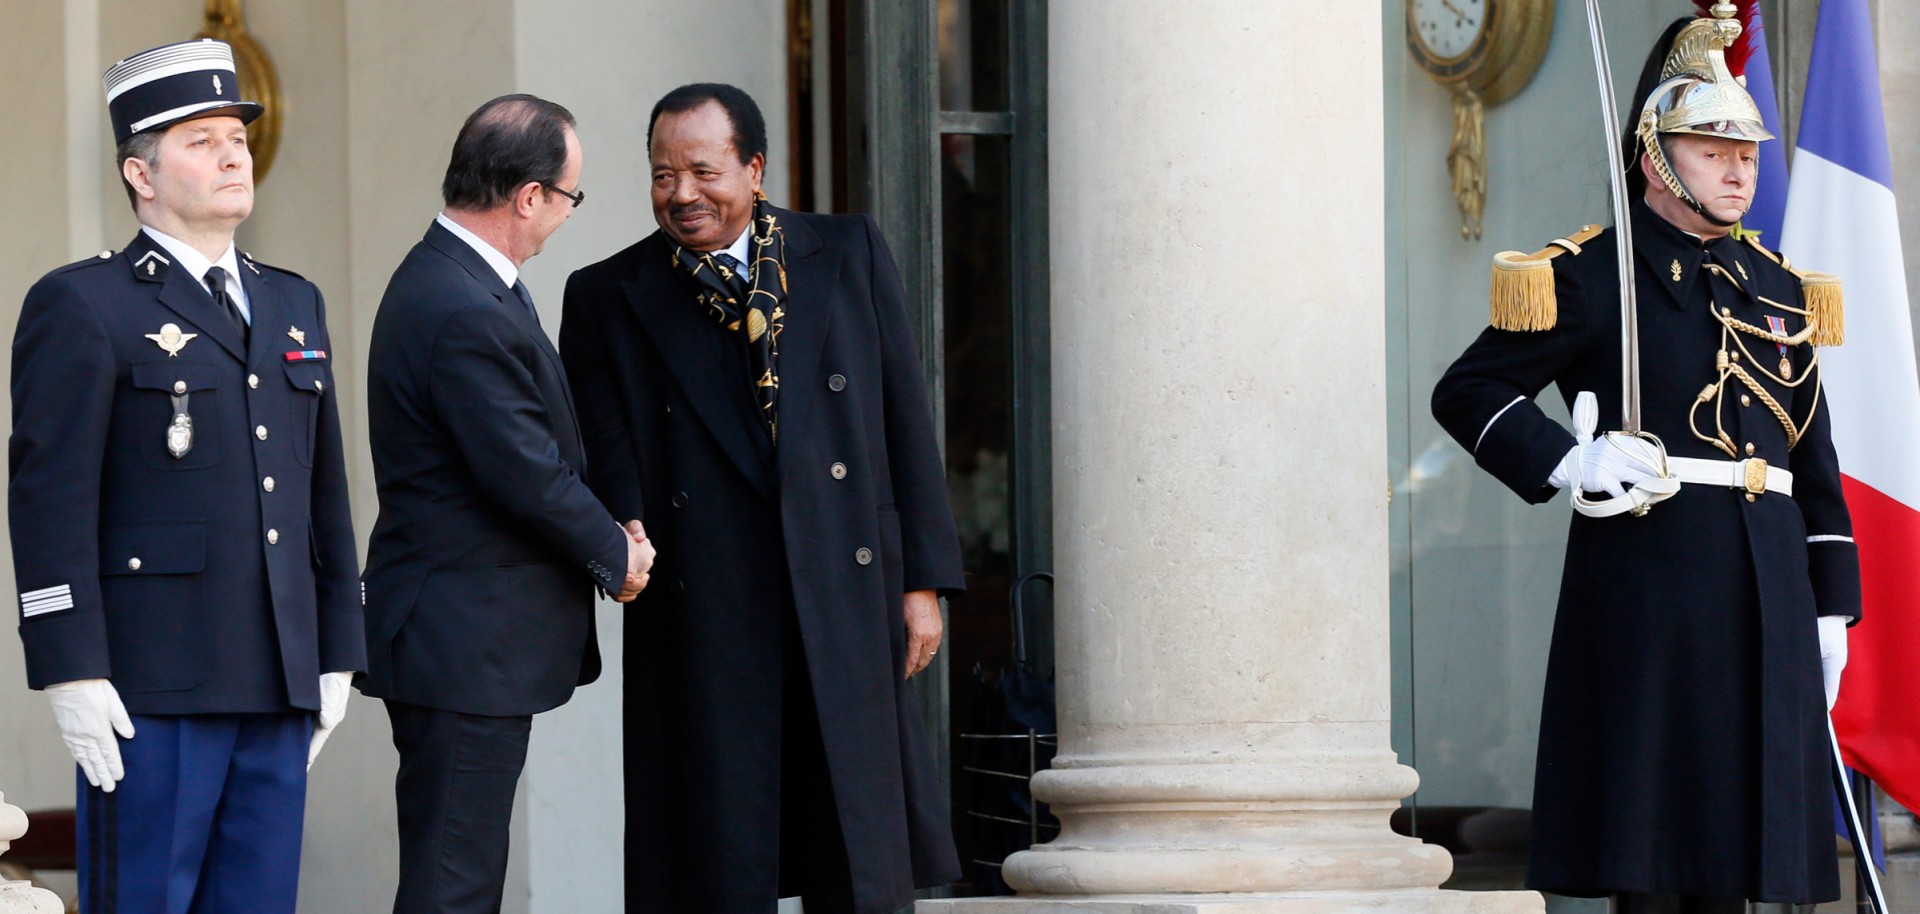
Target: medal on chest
1779,327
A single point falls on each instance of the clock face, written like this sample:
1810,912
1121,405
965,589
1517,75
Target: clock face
1448,28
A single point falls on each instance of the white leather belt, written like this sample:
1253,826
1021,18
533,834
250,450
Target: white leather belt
1752,475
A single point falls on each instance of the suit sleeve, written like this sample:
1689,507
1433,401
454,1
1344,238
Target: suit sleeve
613,463
64,373
343,643
1833,561
1486,398
486,396
930,546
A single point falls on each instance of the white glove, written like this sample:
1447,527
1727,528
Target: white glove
1833,654
89,713
334,689
1609,463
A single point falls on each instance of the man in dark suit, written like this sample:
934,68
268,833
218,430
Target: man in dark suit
748,385
483,564
178,503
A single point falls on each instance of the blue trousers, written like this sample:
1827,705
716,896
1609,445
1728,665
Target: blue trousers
207,820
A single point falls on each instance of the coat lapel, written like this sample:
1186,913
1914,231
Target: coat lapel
270,323
183,295
694,350
482,272
813,276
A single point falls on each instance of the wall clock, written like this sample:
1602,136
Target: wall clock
1483,51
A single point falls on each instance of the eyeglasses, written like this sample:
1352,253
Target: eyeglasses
576,195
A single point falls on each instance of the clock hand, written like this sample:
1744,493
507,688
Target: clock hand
1456,10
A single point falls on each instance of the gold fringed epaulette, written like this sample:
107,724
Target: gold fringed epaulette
1522,294
1825,307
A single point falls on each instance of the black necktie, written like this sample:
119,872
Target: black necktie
526,298
217,284
739,279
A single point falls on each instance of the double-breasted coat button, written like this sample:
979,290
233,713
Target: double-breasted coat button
253,380
179,387
837,383
267,483
260,432
863,555
1746,400
679,499
133,564
273,537
839,470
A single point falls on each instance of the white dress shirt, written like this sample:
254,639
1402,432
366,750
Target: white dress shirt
196,264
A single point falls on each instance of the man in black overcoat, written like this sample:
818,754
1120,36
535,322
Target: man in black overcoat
483,564
1682,759
748,386
178,501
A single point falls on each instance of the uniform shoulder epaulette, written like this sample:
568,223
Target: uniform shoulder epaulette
1826,307
94,261
257,265
1522,297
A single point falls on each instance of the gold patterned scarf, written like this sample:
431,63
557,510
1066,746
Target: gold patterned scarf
753,308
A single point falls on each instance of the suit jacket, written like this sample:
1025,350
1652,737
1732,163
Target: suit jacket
823,535
482,566
221,580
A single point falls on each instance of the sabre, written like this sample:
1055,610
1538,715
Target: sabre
1622,229
1856,829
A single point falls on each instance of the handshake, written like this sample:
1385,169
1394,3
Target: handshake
639,561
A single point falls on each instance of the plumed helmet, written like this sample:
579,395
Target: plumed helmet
1700,89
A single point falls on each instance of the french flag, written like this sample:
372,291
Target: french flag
1840,219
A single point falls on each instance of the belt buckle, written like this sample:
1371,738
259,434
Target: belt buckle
1756,475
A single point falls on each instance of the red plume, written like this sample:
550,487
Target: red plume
1749,18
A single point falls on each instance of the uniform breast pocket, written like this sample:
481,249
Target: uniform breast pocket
178,414
309,380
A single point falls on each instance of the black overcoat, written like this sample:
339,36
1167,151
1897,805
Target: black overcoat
1682,734
220,581
827,531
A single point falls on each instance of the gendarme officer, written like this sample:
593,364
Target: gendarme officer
181,542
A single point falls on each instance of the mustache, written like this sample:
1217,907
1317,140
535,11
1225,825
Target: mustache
688,209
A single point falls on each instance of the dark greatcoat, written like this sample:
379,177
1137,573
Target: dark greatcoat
753,541
1682,735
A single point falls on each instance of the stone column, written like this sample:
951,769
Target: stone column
1220,500
17,897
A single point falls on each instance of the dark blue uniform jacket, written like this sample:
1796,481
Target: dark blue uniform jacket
223,580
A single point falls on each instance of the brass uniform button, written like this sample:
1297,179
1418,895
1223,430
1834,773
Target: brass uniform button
1746,400
133,564
839,471
1749,449
253,380
267,483
179,387
260,432
273,537
1750,496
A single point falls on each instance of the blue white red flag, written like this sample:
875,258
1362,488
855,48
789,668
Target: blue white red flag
1841,219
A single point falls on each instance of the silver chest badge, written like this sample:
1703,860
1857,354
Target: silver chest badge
171,340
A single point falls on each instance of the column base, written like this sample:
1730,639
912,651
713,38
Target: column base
1423,902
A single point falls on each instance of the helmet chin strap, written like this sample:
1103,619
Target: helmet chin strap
1686,194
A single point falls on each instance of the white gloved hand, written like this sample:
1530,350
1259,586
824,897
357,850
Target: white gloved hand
1609,463
1833,654
89,713
334,689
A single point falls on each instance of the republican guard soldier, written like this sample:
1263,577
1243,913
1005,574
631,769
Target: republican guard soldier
1683,750
189,594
